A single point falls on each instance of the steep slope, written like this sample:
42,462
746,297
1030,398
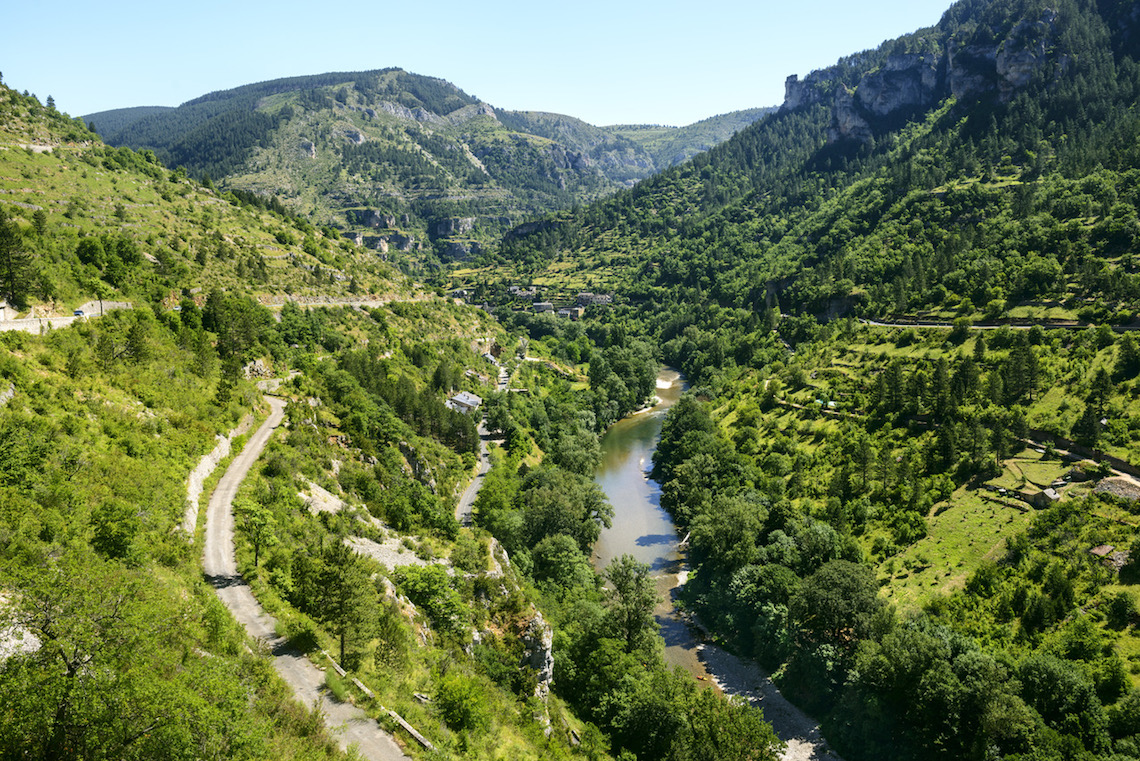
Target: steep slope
962,166
89,220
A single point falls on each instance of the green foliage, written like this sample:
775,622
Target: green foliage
462,704
15,263
431,590
555,501
631,603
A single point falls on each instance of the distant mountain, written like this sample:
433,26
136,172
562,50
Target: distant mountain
398,160
670,146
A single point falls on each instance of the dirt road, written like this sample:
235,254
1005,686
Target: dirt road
349,724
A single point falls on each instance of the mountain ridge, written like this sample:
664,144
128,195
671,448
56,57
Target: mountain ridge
389,144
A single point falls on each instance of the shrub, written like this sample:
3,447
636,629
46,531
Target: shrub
462,703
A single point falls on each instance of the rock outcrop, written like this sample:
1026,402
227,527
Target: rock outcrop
906,80
371,218
975,64
467,113
398,241
445,228
846,121
417,114
538,653
1024,53
461,250
798,94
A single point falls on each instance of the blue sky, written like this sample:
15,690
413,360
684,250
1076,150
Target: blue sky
661,62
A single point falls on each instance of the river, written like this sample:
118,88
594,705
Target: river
643,529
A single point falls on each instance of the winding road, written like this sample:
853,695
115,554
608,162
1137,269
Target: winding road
349,724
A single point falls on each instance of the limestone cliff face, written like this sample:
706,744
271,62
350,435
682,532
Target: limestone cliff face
1024,52
371,218
538,653
453,226
846,121
972,69
977,63
799,93
467,113
906,80
417,114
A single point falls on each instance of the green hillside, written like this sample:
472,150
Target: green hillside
115,121
419,169
973,194
119,641
870,507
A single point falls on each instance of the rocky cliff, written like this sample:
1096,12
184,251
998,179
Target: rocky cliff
967,63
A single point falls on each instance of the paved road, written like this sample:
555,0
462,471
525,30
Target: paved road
463,509
43,324
1043,324
349,724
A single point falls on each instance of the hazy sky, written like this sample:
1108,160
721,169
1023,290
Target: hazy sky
621,61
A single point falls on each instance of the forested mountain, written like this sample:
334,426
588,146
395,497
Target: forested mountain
928,531
670,146
409,162
981,166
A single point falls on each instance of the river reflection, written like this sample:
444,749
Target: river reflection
641,527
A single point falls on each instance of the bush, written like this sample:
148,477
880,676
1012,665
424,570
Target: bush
300,632
462,703
1121,610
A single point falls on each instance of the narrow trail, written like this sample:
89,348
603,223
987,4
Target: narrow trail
349,724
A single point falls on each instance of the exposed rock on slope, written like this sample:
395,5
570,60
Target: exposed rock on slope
977,64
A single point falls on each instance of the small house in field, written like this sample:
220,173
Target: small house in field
464,402
543,306
1047,497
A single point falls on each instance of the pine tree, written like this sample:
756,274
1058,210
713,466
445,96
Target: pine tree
348,599
15,263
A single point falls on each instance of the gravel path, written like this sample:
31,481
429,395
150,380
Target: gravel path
349,724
